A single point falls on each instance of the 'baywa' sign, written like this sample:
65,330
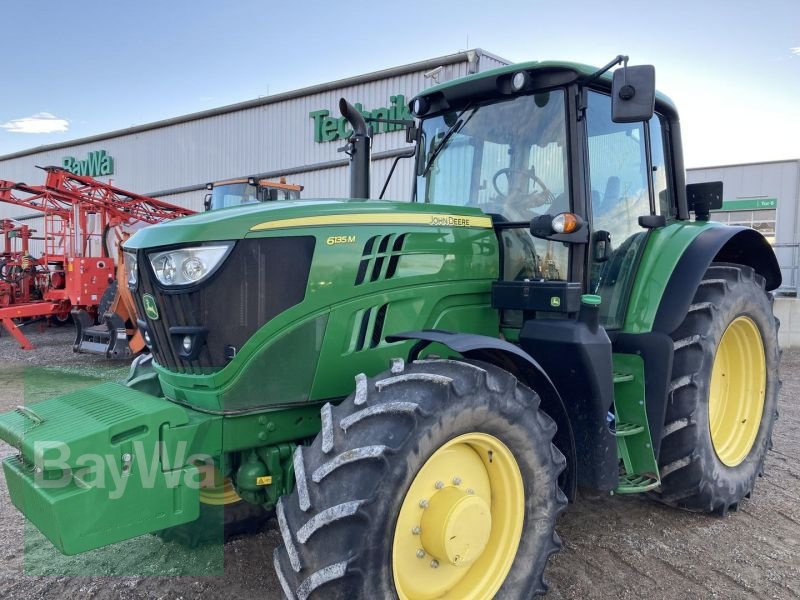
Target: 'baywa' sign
329,129
97,164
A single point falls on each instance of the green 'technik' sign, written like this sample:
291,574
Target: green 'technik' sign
328,129
97,164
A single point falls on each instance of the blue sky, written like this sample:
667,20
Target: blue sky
72,69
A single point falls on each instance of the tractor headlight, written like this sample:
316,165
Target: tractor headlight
187,266
131,265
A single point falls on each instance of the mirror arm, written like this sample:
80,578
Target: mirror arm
541,228
620,59
407,154
576,237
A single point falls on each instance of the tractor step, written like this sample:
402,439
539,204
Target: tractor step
622,377
636,484
631,428
626,429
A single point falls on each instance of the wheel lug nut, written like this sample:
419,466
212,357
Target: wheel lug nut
470,491
420,553
423,503
417,531
434,564
438,485
456,480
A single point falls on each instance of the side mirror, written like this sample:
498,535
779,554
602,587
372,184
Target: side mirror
563,227
207,202
633,94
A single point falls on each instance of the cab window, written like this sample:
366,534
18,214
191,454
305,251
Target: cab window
618,179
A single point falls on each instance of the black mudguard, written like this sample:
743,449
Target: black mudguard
579,360
740,245
515,360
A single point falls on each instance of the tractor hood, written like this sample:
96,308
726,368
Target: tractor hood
238,222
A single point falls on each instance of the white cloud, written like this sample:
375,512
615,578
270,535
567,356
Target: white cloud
42,122
795,50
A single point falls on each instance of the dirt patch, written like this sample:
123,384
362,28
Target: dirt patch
615,547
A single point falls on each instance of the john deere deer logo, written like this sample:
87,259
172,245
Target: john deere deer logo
150,308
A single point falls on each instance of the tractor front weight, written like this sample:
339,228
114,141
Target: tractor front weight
108,463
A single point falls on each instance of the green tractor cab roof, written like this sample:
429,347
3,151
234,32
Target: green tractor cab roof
497,82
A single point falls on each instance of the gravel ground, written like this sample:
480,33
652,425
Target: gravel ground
618,547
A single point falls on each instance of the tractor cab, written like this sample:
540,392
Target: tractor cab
541,141
249,190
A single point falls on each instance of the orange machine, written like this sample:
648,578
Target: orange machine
76,268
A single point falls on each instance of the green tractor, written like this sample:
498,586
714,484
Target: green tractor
417,389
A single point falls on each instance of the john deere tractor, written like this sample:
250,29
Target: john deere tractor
418,388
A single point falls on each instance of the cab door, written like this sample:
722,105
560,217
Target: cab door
620,161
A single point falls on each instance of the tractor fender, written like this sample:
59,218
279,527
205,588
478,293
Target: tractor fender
518,362
732,244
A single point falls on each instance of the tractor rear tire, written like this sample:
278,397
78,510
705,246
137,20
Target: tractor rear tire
722,402
391,499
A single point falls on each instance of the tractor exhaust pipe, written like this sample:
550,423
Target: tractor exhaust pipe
358,149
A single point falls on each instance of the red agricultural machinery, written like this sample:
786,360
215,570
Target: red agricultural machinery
83,219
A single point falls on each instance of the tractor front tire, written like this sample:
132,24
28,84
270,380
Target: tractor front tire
723,397
438,479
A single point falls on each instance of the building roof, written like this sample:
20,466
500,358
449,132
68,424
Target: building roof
746,164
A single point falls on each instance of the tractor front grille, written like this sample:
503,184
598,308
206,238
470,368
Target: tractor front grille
258,280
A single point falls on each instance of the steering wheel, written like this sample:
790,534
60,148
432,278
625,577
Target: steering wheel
520,202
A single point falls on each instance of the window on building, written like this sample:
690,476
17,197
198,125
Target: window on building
762,221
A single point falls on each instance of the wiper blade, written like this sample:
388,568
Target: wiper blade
454,128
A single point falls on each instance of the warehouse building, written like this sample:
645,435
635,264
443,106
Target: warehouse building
764,196
295,134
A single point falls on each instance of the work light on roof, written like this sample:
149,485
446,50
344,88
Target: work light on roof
420,106
519,81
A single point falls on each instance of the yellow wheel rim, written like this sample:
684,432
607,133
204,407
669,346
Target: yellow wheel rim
460,523
736,396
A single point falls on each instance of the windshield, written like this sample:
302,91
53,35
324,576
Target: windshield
233,194
510,160
507,158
